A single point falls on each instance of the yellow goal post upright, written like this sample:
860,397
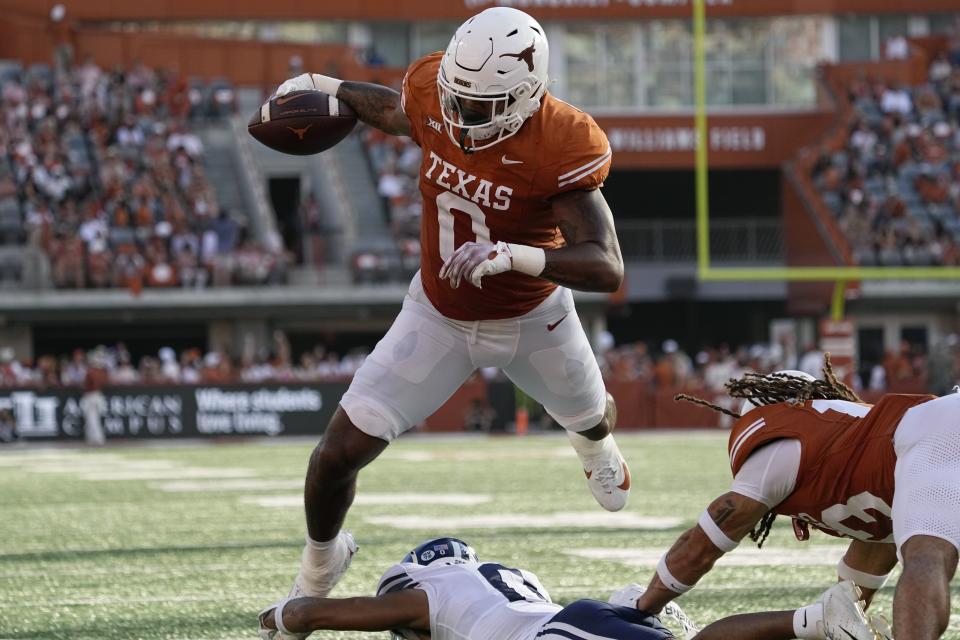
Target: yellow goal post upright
705,272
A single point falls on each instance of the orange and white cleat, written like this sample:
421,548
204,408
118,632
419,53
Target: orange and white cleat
608,476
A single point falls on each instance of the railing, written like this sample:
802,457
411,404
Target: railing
253,185
23,269
753,240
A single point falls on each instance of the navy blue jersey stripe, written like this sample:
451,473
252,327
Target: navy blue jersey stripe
398,586
386,584
562,633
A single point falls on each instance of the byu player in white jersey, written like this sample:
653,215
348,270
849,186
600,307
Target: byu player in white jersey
442,591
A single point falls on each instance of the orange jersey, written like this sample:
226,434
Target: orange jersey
499,193
845,481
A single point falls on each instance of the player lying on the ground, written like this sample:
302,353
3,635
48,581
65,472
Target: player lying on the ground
887,476
512,217
442,591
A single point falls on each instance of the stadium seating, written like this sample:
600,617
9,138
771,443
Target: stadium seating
104,172
894,187
396,165
637,365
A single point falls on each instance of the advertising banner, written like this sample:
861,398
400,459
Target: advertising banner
174,411
734,140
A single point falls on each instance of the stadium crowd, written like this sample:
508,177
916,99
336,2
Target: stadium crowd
895,187
396,164
666,366
908,367
108,173
189,366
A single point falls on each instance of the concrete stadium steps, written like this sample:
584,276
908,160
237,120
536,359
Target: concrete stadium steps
342,182
360,186
221,164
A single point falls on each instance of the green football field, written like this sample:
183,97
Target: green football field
191,541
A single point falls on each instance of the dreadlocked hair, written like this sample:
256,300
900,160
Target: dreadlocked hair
762,530
772,388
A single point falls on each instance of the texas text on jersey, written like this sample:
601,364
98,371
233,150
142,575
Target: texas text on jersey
845,481
498,193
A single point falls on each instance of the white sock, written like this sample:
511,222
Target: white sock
587,448
808,622
316,554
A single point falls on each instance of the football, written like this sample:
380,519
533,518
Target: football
302,122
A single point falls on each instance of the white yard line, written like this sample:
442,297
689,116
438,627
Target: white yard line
587,519
80,465
238,484
175,473
800,556
472,455
455,499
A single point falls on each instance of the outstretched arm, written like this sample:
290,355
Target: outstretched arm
768,625
694,553
376,105
590,261
406,609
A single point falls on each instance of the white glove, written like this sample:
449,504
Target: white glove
499,260
303,82
690,628
627,596
880,626
310,82
474,260
281,632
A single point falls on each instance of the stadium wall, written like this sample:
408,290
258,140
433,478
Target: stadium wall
243,62
456,9
752,140
251,410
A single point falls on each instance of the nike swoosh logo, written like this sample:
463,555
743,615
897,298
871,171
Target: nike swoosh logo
551,327
286,99
506,160
625,485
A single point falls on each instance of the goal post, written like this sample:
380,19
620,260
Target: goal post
706,272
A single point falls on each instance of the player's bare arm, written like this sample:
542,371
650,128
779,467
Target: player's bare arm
374,104
768,625
694,553
406,609
590,261
868,564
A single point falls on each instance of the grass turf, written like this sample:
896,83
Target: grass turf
91,549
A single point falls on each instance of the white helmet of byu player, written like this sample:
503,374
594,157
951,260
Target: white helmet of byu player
747,405
492,77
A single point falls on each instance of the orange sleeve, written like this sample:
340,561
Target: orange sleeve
584,160
418,82
408,103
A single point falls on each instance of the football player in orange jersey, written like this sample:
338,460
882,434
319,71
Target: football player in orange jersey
512,219
887,476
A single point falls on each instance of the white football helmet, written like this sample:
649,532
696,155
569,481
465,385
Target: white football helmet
492,77
747,405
